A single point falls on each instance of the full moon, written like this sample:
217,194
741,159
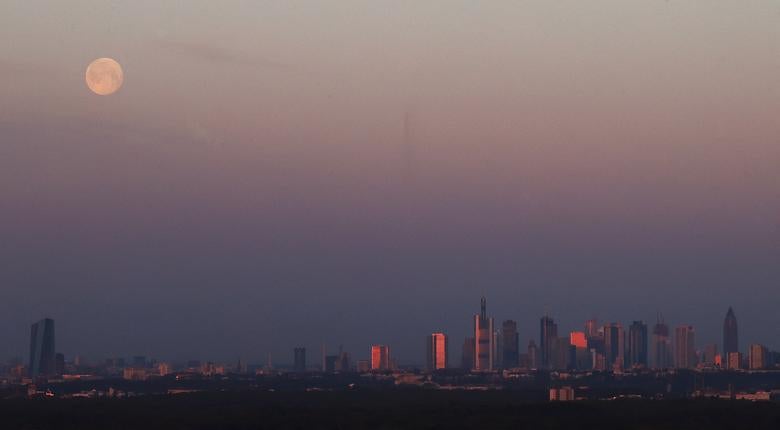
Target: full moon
104,76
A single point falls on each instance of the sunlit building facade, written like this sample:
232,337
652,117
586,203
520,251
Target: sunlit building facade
380,357
437,347
484,340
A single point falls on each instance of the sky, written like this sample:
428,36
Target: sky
283,173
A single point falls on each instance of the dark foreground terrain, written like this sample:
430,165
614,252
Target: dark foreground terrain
391,409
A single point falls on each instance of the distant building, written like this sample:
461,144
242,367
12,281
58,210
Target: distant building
331,361
548,335
135,374
467,356
299,357
380,357
363,366
637,344
734,361
660,346
510,342
582,355
42,353
563,394
533,355
578,339
59,364
436,352
710,355
684,347
592,328
563,354
614,346
164,369
730,335
484,346
758,355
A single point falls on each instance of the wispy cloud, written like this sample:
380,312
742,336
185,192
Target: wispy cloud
218,54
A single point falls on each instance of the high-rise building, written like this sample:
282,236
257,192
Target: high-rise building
684,347
564,354
614,346
42,354
592,328
758,356
548,335
709,356
582,355
436,351
484,346
730,338
533,355
660,346
300,359
734,361
637,344
380,357
467,356
510,345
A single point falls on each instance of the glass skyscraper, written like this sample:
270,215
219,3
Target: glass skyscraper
42,355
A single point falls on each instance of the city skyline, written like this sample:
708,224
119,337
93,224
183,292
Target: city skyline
618,348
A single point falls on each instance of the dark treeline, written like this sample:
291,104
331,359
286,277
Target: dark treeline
383,409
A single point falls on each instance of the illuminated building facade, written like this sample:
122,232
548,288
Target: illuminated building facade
484,340
437,347
380,357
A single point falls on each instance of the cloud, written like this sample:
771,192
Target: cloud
218,54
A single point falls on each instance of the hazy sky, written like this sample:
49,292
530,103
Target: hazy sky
355,172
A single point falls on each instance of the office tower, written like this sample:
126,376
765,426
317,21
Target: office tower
613,346
436,347
582,355
547,340
758,356
592,328
637,344
710,354
467,357
660,345
363,366
59,364
533,355
730,339
300,359
484,345
42,360
510,345
380,357
563,354
684,347
344,361
734,361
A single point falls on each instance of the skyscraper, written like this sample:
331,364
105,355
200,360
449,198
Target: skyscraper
684,347
730,339
511,344
548,335
660,345
467,356
637,344
436,346
614,346
42,355
483,339
300,359
757,358
380,357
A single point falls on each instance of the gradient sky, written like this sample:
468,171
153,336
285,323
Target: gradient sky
355,172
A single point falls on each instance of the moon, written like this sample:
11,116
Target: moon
104,76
